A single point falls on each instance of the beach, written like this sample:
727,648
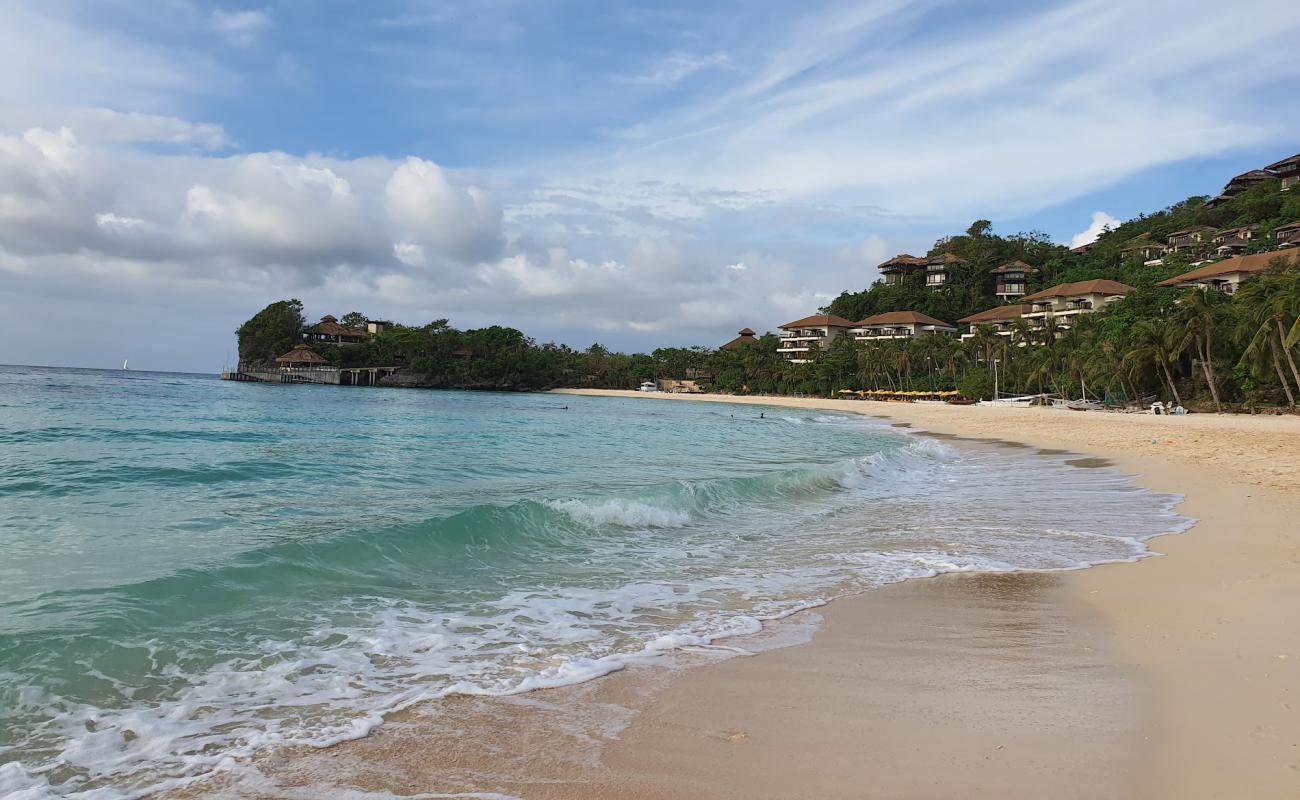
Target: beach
1207,633
1172,677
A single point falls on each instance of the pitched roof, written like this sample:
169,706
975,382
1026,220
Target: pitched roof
1256,175
1256,262
946,259
999,314
1290,226
1099,286
1284,162
902,260
1014,266
1083,248
901,318
819,321
329,325
746,337
301,354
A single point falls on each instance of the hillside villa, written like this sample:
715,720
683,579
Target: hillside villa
1142,248
802,339
1239,184
1287,235
1068,300
1234,241
936,269
1226,276
1288,169
898,325
1001,319
1010,279
329,330
1188,238
900,265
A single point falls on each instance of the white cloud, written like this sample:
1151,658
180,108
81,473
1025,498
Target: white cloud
433,212
1100,222
677,67
242,28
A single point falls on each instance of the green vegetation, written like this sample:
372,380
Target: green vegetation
1204,350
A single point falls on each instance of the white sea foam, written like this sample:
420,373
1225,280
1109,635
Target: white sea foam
624,513
701,580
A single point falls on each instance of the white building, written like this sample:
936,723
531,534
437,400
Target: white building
1067,301
899,325
1226,276
802,339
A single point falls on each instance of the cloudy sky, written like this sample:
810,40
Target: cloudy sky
633,173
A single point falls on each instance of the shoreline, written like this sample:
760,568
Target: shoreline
1173,682
1208,623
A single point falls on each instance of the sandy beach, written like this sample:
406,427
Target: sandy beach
1208,635
1174,677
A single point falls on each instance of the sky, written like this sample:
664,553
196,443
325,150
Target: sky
637,174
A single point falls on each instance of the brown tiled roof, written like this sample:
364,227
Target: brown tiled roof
999,314
902,260
1014,266
1290,226
946,259
1256,262
1099,286
746,337
901,318
301,354
329,325
819,321
1283,162
1083,248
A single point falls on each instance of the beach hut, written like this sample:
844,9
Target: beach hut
301,356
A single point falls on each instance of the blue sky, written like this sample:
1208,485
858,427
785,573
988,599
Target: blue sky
631,173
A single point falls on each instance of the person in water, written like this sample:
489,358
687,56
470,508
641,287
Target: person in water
762,415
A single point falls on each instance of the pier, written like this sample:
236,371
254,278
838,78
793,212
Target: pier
325,375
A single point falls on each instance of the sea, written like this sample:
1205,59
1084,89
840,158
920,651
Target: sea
192,570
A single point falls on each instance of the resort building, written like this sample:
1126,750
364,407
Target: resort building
1083,249
1288,169
746,337
1287,235
936,269
896,268
1010,279
1239,184
1142,248
802,339
1234,241
1001,319
1226,276
378,325
899,325
329,330
1189,238
1067,301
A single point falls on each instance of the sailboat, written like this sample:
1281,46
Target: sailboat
125,361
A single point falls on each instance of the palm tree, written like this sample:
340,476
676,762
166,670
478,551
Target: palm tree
1198,312
1155,343
1272,302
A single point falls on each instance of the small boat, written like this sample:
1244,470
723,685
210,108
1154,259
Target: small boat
961,401
1085,405
648,386
125,361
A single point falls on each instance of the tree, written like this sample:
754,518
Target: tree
353,319
271,332
1199,312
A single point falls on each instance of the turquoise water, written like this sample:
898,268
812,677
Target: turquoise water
191,570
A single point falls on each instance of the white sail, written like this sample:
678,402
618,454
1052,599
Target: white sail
124,363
